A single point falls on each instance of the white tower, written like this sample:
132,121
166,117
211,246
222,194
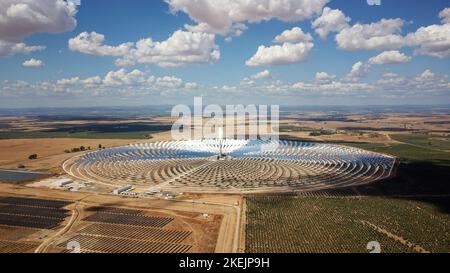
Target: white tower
220,141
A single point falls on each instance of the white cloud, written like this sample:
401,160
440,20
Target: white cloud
332,88
384,34
261,75
70,81
331,20
92,81
22,18
324,77
294,35
390,57
122,82
278,55
426,75
359,70
445,16
92,43
33,63
424,84
122,77
191,85
221,16
8,48
236,30
390,75
140,84
182,48
169,82
432,40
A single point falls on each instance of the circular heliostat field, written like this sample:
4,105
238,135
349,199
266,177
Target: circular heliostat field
232,166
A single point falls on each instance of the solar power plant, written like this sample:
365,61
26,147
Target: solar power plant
32,213
232,165
20,217
126,219
116,230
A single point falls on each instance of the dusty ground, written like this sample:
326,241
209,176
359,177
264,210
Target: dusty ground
50,151
402,122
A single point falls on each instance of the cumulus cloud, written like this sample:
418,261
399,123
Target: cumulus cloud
191,85
236,30
261,75
133,81
433,40
8,48
33,63
426,75
331,20
359,70
221,16
169,82
136,83
445,16
22,18
384,34
280,54
332,88
92,43
181,48
294,35
324,77
426,83
390,57
122,77
390,86
249,81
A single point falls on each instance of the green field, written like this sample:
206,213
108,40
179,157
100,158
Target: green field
414,148
136,130
424,141
309,224
414,205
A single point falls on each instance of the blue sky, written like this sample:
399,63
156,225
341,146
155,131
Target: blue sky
290,79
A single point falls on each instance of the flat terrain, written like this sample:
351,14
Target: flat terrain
50,152
90,127
406,213
85,216
311,224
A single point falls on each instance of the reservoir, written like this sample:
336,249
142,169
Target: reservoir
19,176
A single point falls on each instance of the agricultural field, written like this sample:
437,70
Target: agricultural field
409,212
91,131
329,225
50,152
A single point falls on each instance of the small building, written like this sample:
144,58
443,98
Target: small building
122,189
63,182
